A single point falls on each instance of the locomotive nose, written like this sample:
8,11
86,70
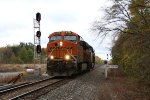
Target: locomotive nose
59,44
56,45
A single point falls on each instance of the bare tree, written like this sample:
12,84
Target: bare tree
115,20
122,16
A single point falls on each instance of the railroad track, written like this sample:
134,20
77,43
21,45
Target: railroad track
31,90
34,94
11,88
5,87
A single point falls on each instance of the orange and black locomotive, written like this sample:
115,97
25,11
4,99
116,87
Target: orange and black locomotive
68,54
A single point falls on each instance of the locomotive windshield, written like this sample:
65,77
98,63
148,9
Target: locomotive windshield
54,38
71,38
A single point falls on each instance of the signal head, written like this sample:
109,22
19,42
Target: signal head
38,17
38,48
38,34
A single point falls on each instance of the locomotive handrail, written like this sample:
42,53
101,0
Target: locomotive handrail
52,50
71,55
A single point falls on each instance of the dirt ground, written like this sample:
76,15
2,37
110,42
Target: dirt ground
118,87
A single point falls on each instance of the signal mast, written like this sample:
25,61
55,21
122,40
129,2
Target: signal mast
37,39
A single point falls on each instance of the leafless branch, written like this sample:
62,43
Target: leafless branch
127,12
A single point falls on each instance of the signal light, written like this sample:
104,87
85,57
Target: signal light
38,34
38,48
38,16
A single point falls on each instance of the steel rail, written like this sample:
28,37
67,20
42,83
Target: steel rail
4,87
24,85
32,91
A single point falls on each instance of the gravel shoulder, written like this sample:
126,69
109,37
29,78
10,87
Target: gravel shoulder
94,86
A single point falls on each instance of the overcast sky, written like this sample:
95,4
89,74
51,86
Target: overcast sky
16,21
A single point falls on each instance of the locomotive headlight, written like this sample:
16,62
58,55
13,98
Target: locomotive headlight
67,57
61,43
51,57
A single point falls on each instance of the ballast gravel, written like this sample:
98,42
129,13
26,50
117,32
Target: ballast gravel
84,87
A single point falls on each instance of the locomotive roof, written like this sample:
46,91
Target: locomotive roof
63,33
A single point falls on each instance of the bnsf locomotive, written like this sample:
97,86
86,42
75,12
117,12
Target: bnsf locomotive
68,54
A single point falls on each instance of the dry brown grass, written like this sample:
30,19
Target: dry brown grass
10,67
19,67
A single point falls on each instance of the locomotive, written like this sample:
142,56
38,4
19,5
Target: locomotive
68,54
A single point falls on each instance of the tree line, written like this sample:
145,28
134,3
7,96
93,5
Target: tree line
24,54
129,22
19,54
98,60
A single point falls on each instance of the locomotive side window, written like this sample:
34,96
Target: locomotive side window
54,38
71,38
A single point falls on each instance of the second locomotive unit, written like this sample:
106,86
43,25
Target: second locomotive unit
68,54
